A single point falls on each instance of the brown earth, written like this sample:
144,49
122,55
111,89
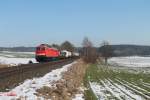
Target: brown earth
4,65
68,86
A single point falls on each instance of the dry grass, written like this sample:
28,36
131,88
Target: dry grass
68,86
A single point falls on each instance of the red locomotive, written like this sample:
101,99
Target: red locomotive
45,52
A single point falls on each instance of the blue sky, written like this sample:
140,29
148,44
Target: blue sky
31,22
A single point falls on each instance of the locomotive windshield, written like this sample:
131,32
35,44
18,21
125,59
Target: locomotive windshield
40,48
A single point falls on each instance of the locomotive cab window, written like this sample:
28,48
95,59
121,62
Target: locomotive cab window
37,48
43,48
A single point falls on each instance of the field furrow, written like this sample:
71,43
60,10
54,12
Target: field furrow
120,83
122,94
133,89
127,93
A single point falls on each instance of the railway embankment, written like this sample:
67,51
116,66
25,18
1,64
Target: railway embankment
13,76
67,87
60,84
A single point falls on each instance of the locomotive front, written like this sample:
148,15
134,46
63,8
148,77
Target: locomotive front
45,53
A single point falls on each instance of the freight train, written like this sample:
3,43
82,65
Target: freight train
45,52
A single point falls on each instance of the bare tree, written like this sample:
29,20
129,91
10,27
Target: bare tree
67,46
89,52
106,51
87,42
56,46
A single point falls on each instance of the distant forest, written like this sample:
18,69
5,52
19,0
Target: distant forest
130,50
18,49
118,50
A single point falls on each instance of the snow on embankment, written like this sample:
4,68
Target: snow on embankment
28,88
69,87
133,61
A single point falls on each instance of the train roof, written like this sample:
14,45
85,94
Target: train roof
47,45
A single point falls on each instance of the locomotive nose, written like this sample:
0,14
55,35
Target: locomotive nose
40,51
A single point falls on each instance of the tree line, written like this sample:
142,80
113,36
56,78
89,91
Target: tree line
90,53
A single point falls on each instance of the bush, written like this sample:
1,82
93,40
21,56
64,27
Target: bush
89,53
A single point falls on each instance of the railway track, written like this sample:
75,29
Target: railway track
12,76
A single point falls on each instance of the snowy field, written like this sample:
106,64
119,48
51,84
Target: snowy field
28,88
15,58
120,90
9,54
109,83
133,61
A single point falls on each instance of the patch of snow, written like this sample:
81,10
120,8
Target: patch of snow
98,90
135,86
133,61
146,84
29,87
133,89
112,90
78,97
18,52
128,92
16,61
7,55
109,88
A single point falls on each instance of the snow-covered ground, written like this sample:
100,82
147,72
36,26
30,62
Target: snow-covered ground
11,52
29,87
16,61
78,97
17,54
120,90
133,61
125,78
15,58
